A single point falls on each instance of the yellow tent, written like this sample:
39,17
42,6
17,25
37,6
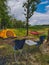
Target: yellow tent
7,33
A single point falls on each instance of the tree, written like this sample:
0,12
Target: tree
29,7
18,23
4,13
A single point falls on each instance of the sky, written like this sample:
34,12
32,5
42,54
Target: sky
40,16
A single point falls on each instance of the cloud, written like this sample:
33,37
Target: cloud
17,9
40,18
45,2
37,19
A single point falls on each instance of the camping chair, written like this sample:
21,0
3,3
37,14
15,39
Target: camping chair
19,44
41,39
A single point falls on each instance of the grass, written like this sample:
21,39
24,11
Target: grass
22,32
6,49
33,52
33,55
2,46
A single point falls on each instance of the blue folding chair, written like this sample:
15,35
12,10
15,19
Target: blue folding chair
41,39
19,44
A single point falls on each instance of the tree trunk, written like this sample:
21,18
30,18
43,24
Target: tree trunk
27,26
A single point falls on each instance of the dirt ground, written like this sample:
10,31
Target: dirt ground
7,41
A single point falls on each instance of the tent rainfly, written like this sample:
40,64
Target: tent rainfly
7,33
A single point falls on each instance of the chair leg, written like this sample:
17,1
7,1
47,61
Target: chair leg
15,57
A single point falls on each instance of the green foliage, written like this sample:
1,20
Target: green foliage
6,50
14,23
18,24
4,13
39,27
30,6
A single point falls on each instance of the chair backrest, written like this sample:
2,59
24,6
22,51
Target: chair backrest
19,44
42,38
